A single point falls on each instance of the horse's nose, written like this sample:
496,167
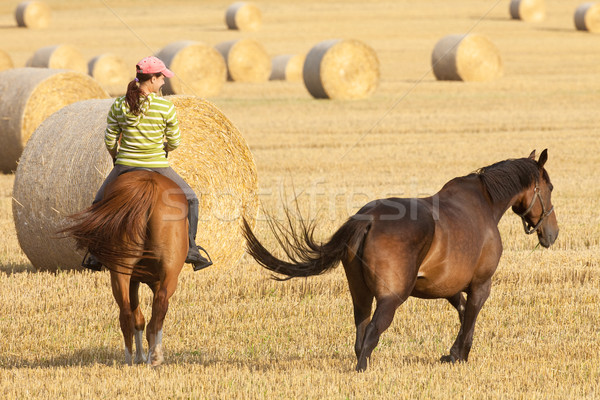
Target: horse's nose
547,238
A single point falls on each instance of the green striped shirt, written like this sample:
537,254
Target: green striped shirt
142,136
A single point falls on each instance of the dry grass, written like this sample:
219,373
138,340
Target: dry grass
233,333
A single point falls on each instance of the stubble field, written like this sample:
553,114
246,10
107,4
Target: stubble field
232,332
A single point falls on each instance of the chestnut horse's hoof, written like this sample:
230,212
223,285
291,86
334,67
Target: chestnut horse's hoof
449,359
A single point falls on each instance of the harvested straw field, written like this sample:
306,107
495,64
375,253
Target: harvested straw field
231,332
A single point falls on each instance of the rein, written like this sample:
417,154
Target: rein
526,225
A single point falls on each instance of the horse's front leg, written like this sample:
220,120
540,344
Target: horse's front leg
475,300
139,323
120,289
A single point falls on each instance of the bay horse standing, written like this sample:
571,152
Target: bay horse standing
436,247
139,232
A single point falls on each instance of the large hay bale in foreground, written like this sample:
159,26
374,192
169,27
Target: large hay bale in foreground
243,16
246,60
287,67
33,14
341,69
470,57
58,57
30,95
199,69
528,10
587,17
5,61
65,163
111,72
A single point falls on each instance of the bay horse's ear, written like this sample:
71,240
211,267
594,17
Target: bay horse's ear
543,158
532,155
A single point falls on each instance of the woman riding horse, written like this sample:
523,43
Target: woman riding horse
137,125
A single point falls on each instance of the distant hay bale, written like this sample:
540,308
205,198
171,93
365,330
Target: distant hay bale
111,72
5,61
341,69
287,67
59,57
243,16
469,57
528,10
30,95
587,17
65,163
33,14
246,60
200,70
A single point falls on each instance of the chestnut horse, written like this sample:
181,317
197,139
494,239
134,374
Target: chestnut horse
139,231
436,247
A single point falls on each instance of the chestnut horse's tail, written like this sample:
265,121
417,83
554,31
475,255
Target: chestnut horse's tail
116,227
307,258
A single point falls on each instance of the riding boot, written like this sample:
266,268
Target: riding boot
91,262
193,256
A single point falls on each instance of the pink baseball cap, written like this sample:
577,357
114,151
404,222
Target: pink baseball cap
152,65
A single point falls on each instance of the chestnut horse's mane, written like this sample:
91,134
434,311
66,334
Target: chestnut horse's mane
504,179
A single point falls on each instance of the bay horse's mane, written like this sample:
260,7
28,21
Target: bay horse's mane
504,179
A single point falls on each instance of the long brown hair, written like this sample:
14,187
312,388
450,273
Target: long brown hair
132,97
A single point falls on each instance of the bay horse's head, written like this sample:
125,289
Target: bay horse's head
535,205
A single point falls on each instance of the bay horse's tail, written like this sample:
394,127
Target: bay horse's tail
306,257
116,227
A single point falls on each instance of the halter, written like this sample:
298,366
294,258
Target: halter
526,225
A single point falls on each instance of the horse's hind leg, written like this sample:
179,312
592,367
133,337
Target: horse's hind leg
120,289
162,293
139,322
362,300
382,318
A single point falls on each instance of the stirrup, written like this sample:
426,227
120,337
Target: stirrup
90,262
203,262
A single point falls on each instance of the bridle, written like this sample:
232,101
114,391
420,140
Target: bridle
526,225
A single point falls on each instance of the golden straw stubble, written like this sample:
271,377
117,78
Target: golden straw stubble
341,69
199,69
65,162
469,57
62,56
111,72
528,10
30,95
246,60
33,14
243,16
587,17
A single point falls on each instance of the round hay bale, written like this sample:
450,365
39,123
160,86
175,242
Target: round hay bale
528,10
5,61
341,69
246,60
243,16
287,67
33,14
30,95
199,69
587,17
111,72
65,163
469,57
58,57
